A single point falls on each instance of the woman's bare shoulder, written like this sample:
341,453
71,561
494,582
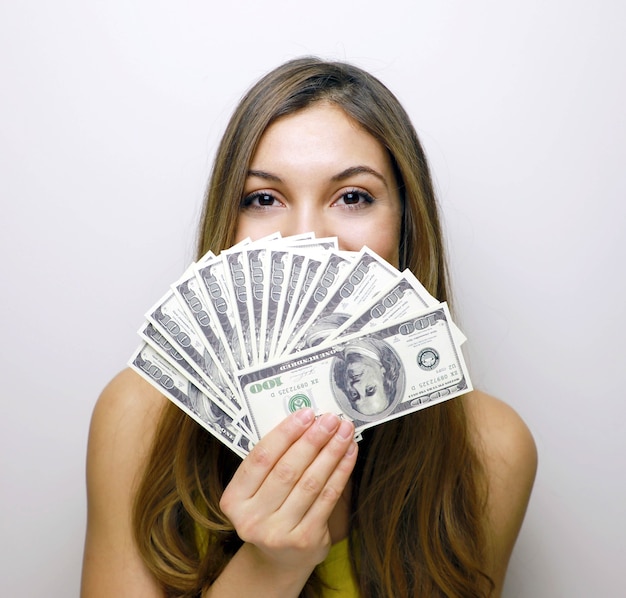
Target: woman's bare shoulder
124,419
510,459
500,430
122,429
123,424
128,400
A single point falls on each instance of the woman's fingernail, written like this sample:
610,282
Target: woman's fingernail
305,415
345,429
328,422
351,449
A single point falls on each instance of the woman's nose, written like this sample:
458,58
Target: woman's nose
306,219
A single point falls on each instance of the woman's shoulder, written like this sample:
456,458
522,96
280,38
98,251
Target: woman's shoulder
500,431
126,412
123,424
509,455
128,390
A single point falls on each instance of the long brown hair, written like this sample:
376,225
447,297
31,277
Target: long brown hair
418,497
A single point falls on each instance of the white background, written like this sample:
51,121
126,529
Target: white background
109,117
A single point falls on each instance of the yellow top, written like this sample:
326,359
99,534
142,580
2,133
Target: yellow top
337,574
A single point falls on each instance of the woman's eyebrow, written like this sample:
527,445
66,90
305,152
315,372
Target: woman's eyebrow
353,170
268,176
340,176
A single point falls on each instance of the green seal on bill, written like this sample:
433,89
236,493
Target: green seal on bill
299,401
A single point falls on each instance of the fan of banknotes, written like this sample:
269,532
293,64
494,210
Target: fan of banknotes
248,336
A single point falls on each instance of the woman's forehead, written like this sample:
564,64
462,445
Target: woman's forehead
322,132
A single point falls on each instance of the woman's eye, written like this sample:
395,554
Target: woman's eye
259,200
265,199
351,198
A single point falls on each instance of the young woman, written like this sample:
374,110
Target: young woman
429,504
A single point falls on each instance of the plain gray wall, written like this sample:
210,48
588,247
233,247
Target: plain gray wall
109,117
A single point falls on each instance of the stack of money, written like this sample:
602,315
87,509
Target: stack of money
246,337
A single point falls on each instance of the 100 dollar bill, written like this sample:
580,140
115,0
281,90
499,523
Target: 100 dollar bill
147,362
368,378
367,275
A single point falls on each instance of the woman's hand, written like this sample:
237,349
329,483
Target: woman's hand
282,495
